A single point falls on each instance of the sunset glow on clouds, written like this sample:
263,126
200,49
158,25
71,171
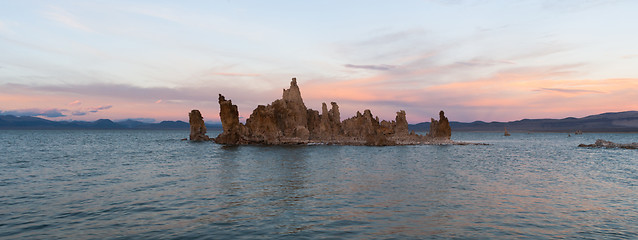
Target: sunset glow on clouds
489,61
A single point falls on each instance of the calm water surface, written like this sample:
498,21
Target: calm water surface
151,185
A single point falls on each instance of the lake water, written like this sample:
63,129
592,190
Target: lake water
151,185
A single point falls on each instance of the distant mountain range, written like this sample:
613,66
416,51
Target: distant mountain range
606,122
14,122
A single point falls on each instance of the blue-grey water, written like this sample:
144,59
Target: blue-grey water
151,185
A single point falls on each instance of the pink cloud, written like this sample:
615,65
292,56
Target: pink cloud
75,103
99,108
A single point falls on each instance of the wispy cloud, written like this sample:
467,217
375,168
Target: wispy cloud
99,108
62,16
565,90
75,103
194,19
83,112
231,74
382,67
134,93
484,62
392,37
35,112
394,47
576,6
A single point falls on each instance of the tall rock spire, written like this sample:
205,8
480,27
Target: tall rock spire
198,128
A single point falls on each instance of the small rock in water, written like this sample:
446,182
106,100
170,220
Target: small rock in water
600,143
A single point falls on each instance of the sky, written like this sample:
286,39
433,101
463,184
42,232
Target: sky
476,60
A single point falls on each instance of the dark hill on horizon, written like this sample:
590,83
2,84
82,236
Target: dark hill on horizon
36,123
605,122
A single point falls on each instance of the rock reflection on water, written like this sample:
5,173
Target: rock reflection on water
404,191
335,195
262,184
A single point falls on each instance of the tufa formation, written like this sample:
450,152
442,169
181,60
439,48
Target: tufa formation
198,129
288,121
440,128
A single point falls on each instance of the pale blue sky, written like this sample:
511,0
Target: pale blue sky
159,59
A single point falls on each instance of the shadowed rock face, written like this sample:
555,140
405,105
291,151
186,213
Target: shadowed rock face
401,124
364,127
288,121
440,128
198,129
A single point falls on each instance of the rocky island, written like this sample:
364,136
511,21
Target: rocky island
289,121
